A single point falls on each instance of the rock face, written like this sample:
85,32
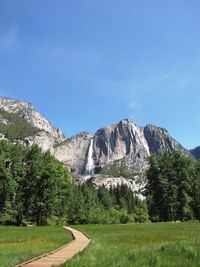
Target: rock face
43,139
73,152
118,141
115,142
124,141
196,152
159,140
25,110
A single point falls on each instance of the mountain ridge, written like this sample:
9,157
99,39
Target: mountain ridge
124,143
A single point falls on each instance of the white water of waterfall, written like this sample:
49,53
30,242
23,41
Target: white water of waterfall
90,161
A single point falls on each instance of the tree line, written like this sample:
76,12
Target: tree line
117,205
35,188
173,187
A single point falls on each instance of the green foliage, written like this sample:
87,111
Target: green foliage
37,189
15,127
118,168
34,186
196,190
173,187
117,205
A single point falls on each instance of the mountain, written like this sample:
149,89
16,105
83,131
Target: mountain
119,153
115,154
159,141
46,135
124,140
13,127
196,152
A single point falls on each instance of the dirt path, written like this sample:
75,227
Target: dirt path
62,254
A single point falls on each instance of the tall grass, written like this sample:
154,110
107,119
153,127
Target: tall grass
140,245
18,244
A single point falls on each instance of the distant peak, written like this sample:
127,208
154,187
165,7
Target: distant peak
154,127
127,121
16,101
83,135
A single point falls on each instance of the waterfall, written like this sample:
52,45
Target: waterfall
90,161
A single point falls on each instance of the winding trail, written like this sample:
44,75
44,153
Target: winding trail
62,254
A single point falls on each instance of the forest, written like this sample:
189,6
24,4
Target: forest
173,188
37,189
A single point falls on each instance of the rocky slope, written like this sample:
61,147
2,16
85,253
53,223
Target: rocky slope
107,181
118,141
47,137
196,152
73,152
159,140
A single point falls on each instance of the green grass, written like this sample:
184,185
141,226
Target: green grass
18,244
140,245
136,245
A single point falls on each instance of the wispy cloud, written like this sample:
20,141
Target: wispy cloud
135,105
156,79
135,108
64,53
9,40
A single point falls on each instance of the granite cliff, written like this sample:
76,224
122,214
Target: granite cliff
47,136
196,152
123,141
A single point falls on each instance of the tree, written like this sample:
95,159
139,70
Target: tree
76,210
169,188
105,197
196,191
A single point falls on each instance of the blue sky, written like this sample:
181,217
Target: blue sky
87,64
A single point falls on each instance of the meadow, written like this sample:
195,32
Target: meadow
140,245
18,244
125,245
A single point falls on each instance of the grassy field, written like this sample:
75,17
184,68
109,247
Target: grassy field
17,244
141,245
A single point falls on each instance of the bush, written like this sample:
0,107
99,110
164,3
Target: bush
16,128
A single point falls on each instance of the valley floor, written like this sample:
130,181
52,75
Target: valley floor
18,244
136,245
130,245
